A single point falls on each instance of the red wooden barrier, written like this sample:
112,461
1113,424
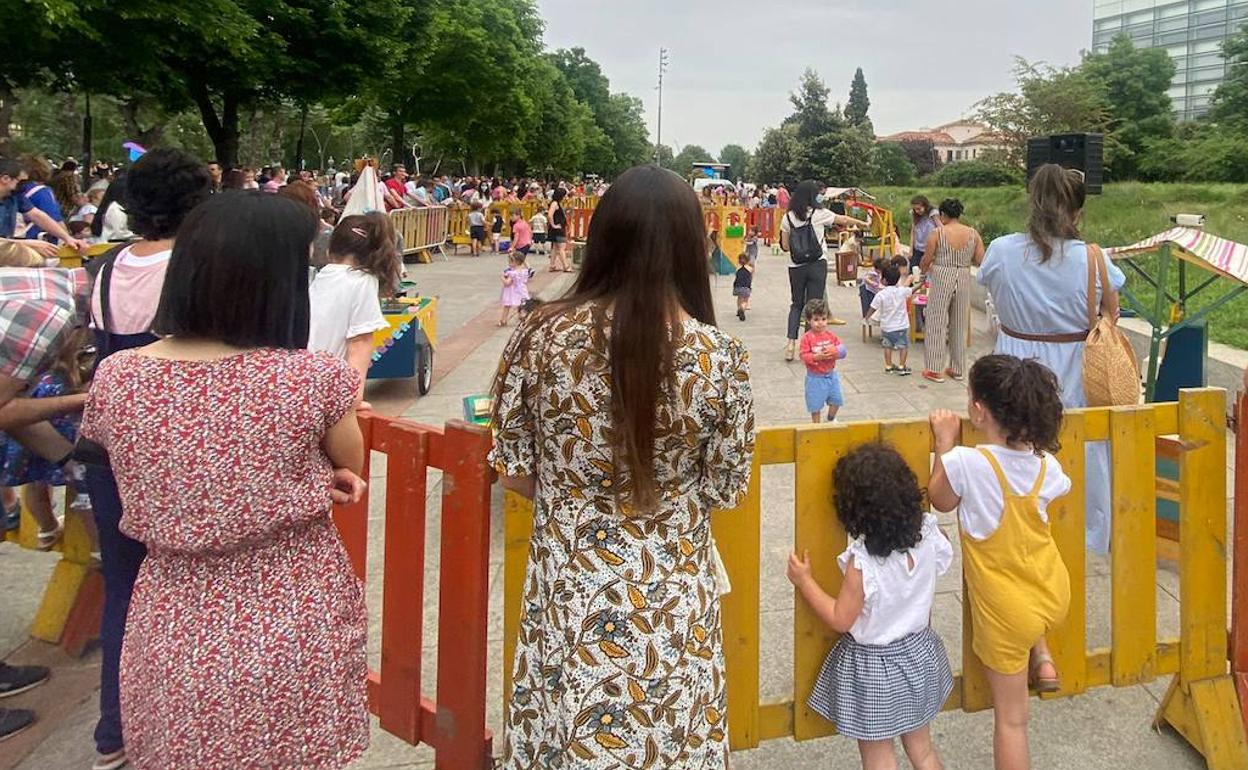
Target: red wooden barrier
454,725
1239,573
766,222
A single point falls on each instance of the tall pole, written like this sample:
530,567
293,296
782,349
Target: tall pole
87,141
658,133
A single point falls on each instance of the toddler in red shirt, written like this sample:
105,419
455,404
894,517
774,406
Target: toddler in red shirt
820,350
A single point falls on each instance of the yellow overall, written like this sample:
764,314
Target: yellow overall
1016,582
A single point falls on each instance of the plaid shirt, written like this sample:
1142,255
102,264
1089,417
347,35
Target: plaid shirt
38,307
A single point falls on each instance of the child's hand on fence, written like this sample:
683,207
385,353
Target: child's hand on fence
946,427
346,487
798,570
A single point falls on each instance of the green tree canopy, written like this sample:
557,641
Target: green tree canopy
858,105
1134,82
689,154
1230,100
890,165
737,157
773,162
811,115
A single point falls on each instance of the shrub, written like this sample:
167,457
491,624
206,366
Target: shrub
975,173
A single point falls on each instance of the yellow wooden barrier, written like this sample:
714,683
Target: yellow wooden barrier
422,230
1201,703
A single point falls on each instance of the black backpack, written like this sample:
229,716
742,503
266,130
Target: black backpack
804,245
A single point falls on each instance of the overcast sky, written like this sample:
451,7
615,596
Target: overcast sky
733,63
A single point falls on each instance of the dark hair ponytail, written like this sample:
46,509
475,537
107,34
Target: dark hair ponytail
952,208
1056,197
1024,398
369,240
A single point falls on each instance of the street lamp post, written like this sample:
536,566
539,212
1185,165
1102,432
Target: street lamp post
658,132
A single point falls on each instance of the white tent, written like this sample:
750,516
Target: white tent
364,197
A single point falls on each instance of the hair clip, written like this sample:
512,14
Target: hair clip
360,232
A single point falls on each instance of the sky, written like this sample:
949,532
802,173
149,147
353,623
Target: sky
732,64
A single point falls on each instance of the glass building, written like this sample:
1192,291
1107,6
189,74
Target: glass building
1191,31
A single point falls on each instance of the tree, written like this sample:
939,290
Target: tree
811,115
1048,101
689,154
773,160
624,123
26,60
858,104
737,157
890,165
922,154
1134,82
838,157
1230,100
664,155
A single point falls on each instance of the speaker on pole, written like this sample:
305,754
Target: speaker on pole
1084,152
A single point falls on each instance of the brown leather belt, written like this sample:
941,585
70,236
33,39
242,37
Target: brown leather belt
1068,337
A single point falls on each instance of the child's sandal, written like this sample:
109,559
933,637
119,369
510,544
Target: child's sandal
1043,684
46,539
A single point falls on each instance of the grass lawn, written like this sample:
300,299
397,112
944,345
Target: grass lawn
1126,213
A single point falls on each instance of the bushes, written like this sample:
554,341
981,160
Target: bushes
976,173
1210,155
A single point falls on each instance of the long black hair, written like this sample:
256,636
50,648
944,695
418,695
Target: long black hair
239,272
804,200
112,194
646,261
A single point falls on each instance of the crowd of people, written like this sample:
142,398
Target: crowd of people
216,355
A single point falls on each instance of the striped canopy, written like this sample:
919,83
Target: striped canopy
1219,255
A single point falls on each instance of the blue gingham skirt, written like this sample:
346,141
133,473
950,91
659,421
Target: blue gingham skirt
878,692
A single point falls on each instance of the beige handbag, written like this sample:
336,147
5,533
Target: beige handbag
1111,373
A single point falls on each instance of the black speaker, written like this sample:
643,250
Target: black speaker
1085,152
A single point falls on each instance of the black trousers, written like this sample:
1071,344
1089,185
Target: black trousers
806,282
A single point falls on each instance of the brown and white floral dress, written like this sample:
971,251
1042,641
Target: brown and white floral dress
619,662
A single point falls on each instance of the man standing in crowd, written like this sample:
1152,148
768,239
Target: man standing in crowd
38,309
215,172
396,185
12,204
277,180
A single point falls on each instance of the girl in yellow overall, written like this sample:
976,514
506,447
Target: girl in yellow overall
1016,582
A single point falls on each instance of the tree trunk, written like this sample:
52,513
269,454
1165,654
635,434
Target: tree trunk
398,153
130,117
223,129
8,101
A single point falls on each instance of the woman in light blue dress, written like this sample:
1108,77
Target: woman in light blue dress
1038,281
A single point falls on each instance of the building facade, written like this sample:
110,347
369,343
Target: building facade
1191,31
952,142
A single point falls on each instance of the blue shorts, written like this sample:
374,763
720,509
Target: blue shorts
898,340
823,390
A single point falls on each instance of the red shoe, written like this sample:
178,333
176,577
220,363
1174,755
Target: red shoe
933,376
953,376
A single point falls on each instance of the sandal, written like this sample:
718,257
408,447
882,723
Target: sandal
46,539
1043,684
933,376
113,761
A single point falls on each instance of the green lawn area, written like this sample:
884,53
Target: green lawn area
1126,213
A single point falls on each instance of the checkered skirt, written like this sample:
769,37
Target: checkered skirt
878,692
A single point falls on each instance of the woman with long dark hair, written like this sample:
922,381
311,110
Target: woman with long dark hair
807,221
1039,285
627,416
558,218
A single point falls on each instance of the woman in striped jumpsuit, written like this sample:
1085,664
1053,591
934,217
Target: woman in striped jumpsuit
950,252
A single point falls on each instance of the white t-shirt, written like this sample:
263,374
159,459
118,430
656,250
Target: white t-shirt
116,224
539,223
344,305
972,479
899,587
890,304
820,219
84,211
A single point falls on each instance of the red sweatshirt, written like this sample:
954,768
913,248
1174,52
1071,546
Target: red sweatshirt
825,342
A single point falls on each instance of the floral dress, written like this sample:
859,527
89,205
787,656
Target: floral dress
619,662
244,645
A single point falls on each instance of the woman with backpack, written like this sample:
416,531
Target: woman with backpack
802,233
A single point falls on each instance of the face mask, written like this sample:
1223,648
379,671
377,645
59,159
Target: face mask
819,198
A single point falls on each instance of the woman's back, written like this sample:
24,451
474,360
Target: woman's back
1037,297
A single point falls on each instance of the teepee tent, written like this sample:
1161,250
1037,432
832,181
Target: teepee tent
364,197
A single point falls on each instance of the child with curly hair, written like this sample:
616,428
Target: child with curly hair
820,350
888,676
1016,583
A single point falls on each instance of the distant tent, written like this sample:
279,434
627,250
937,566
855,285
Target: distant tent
720,263
364,198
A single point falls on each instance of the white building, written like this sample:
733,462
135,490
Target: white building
952,142
1191,31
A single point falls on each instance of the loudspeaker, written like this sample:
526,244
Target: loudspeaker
1084,152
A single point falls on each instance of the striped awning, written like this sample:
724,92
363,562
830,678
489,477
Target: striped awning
1207,251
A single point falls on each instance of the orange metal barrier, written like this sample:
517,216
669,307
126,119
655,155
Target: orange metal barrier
1239,574
454,724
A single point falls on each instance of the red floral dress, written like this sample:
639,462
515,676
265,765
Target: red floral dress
245,641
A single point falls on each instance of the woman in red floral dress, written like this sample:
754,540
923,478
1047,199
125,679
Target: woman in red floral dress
244,644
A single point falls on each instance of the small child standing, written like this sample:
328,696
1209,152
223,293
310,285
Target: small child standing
515,285
476,227
538,224
891,302
751,245
741,285
820,350
1017,585
496,231
888,676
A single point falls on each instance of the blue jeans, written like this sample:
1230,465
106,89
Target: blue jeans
120,558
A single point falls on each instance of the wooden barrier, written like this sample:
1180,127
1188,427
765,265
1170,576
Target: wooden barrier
1239,577
1201,703
454,724
422,230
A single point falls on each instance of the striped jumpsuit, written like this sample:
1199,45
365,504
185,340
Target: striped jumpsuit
948,313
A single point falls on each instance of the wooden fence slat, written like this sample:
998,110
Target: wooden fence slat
817,529
976,696
1239,596
352,520
1202,533
403,585
738,533
1133,545
1069,641
517,534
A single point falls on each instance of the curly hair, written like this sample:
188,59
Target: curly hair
1023,396
815,307
878,499
952,208
161,189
